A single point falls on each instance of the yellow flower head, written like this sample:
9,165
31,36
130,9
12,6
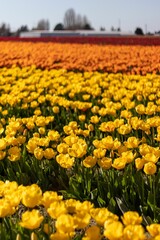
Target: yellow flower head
32,144
140,109
65,224
99,152
50,197
113,230
132,142
92,233
128,155
94,119
38,153
56,209
71,139
124,129
14,153
65,161
97,143
126,114
107,126
31,219
6,208
150,157
105,162
82,117
95,109
53,135
81,219
31,196
78,149
107,142
3,144
154,229
100,215
134,232
89,161
2,155
150,168
85,206
55,109
62,148
119,163
71,205
59,236
49,153
42,130
131,218
139,163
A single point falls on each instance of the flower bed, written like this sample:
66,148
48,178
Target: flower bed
79,150
82,57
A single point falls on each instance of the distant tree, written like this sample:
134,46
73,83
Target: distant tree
149,33
112,29
139,31
118,29
85,21
87,26
79,21
102,29
5,30
23,28
156,32
70,19
73,21
59,26
42,25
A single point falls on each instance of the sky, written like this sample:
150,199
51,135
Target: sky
126,14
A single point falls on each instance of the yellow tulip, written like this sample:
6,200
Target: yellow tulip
31,219
114,230
131,218
150,168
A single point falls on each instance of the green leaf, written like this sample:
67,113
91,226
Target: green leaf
146,220
94,194
101,202
77,237
150,200
121,205
112,205
67,195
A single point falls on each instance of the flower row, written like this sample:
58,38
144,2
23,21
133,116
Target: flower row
81,57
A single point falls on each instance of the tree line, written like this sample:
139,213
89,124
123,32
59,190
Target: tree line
71,21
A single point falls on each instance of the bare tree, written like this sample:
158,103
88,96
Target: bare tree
23,28
79,21
70,19
86,23
5,30
85,20
74,21
43,25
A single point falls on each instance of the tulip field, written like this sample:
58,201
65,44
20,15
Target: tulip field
79,141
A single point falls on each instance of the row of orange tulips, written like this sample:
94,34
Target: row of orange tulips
80,57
